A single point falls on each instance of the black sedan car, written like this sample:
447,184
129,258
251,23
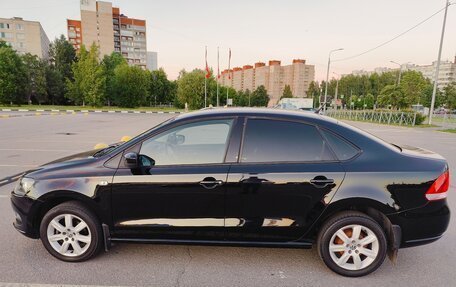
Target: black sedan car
255,177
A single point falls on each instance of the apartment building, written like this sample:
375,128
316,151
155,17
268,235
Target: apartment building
112,31
274,77
152,61
447,72
25,36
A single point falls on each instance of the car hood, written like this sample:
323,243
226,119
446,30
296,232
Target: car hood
67,162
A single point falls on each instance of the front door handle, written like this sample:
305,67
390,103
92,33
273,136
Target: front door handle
210,183
321,181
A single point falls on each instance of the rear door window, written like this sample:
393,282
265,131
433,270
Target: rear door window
267,140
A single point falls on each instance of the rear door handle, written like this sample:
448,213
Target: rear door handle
321,182
210,183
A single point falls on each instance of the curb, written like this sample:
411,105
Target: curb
90,111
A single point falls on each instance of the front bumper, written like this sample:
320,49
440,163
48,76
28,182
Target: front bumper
422,225
23,209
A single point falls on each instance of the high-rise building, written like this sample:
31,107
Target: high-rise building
273,77
25,36
152,61
112,31
447,72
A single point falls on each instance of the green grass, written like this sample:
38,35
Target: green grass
449,119
426,126
63,108
453,131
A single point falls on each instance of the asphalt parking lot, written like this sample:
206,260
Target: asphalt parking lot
30,140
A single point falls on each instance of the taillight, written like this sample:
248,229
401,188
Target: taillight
439,189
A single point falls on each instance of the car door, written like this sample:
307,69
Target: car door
181,196
285,176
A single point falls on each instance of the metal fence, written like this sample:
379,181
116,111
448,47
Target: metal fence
447,121
376,116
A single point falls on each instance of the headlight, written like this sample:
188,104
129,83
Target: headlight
24,186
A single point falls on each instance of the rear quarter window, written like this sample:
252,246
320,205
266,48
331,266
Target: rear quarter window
343,149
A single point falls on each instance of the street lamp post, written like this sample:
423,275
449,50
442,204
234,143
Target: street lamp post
400,72
327,77
436,78
337,87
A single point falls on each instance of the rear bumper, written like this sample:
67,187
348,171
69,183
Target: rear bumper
22,207
422,225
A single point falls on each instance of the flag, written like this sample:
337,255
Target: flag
208,72
229,62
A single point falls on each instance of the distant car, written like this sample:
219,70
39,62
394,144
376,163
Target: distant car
242,177
441,111
312,110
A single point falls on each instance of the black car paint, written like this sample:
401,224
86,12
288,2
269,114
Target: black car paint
257,204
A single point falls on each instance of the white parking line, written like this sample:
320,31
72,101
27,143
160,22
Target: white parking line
33,149
3,196
18,165
5,284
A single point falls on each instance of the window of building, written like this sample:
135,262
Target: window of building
6,35
4,26
19,27
195,143
20,36
21,45
283,141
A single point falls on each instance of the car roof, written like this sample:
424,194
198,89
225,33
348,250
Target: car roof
259,112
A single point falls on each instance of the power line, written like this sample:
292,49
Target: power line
394,38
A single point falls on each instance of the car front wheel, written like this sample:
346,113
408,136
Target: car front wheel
71,232
352,244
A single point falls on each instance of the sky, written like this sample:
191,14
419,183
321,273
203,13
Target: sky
262,30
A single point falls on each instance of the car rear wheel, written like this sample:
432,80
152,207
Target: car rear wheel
352,244
71,232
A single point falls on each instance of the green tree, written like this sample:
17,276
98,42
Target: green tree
287,92
36,76
55,86
190,89
369,101
450,95
161,90
314,93
88,86
132,84
260,97
414,86
61,58
13,76
109,64
392,95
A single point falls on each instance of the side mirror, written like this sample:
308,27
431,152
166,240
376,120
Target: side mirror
146,161
131,160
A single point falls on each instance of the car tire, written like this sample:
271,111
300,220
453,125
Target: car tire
71,232
352,244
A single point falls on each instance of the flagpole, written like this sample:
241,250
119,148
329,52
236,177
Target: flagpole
229,75
205,81
218,75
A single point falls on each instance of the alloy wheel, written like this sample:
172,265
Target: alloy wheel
354,247
69,235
